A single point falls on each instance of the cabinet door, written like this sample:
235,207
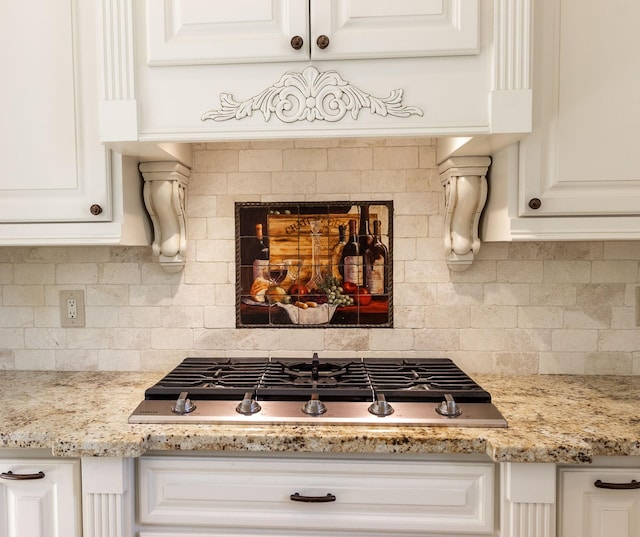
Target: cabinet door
188,32
53,165
42,507
588,510
586,111
383,29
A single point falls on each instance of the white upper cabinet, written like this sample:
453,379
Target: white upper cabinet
568,178
193,70
188,32
54,167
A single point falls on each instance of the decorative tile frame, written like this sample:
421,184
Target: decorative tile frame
301,236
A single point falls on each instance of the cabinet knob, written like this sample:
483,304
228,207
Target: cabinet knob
95,209
322,41
535,203
297,42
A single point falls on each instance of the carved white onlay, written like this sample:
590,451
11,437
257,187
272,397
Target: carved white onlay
165,185
465,188
308,96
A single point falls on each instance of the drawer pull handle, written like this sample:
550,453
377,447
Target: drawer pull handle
21,477
312,499
617,486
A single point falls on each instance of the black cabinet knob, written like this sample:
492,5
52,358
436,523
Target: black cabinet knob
535,203
297,42
322,41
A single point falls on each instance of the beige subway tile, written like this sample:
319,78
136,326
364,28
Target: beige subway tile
141,317
305,160
619,340
609,363
623,317
24,338
447,317
574,340
511,271
622,250
106,295
259,160
119,273
549,294
416,203
6,273
540,317
402,339
482,339
171,338
505,294
219,160
427,156
614,271
345,339
493,317
436,339
410,226
283,184
528,339
98,317
457,294
395,158
218,317
423,180
350,158
76,273
562,363
346,182
121,360
384,182
271,144
589,317
23,295
408,317
32,273
76,360
516,363
207,184
196,228
426,272
256,182
410,294
35,360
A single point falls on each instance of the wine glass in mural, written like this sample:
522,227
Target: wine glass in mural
277,272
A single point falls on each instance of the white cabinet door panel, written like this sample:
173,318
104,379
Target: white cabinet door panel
383,29
190,32
46,507
54,167
586,108
590,511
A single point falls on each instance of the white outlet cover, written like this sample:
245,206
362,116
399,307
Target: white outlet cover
78,320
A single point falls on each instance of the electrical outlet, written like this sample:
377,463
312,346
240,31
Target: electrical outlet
71,309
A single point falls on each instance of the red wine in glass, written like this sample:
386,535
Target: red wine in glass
277,273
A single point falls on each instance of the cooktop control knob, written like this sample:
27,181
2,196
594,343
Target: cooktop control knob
183,405
380,407
449,407
248,405
314,407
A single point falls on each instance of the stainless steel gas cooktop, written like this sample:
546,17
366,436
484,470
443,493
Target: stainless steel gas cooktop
429,391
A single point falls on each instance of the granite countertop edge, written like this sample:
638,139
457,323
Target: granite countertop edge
551,418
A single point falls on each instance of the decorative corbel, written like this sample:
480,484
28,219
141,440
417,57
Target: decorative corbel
165,186
465,188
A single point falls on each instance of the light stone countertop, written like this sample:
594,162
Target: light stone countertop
565,419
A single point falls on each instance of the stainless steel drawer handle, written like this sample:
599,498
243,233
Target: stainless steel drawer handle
312,499
617,486
21,477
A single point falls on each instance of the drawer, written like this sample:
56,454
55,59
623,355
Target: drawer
372,497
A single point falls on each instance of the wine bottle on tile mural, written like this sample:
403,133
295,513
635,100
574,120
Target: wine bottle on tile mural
352,257
376,262
336,253
364,237
260,254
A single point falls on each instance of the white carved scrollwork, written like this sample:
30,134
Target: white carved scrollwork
465,188
308,96
165,185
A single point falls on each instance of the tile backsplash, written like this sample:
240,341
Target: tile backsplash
557,307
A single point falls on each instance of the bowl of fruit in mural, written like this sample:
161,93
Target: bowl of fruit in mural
301,304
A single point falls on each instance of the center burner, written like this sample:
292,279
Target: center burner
288,390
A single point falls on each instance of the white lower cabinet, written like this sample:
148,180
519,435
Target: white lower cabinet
39,498
600,502
314,497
